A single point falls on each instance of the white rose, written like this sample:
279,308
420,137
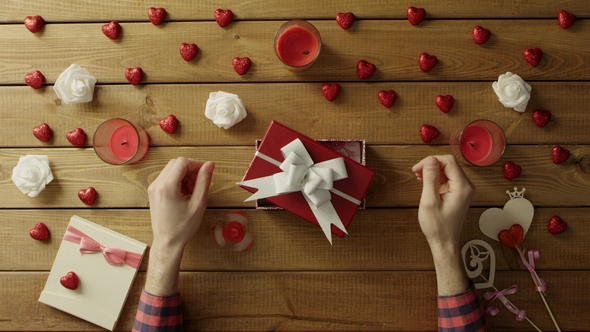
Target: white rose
512,91
225,109
75,85
31,174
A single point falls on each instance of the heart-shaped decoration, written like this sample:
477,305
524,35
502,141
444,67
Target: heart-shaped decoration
112,30
566,19
556,225
480,34
533,56
559,154
476,259
241,65
387,97
517,211
345,20
511,170
415,15
76,137
445,103
428,133
87,196
156,15
331,90
541,117
70,280
34,79
40,232
34,23
169,124
188,51
511,237
427,61
223,17
134,75
364,69
42,132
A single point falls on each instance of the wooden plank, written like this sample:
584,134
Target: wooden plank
127,10
378,240
156,51
308,301
356,113
394,185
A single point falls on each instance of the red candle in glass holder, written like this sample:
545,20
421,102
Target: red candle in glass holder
480,143
297,44
118,141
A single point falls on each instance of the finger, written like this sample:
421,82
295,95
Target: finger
199,197
164,171
451,168
180,168
430,180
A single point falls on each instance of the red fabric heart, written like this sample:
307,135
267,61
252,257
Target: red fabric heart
70,280
76,137
112,30
415,15
480,34
533,56
188,51
331,90
566,19
345,20
156,15
241,65
559,154
40,232
169,124
87,196
511,170
134,75
512,237
42,132
556,225
427,61
387,97
445,103
541,117
34,79
428,133
364,69
223,17
34,23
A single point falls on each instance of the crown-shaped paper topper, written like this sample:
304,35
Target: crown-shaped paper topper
518,210
516,194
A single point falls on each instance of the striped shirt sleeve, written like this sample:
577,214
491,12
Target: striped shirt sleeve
158,313
461,312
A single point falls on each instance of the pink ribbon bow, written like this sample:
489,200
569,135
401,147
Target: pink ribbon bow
113,256
500,295
530,265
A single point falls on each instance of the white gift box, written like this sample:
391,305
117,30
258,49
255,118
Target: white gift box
103,287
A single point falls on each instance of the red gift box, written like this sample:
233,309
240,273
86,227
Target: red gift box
354,185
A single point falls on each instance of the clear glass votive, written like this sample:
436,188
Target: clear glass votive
297,44
118,141
480,143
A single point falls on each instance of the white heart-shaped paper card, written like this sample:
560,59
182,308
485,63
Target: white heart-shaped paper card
477,257
516,211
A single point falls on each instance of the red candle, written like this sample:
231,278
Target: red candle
480,143
118,141
297,44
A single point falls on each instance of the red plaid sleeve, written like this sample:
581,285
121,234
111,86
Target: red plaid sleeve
158,314
461,312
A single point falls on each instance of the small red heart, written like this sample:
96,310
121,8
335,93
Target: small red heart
331,90
156,15
134,75
345,20
223,17
169,124
512,237
559,154
511,170
556,225
533,56
415,15
87,196
566,19
480,34
364,69
241,65
112,30
428,133
42,132
541,117
76,137
427,61
34,23
445,103
40,232
70,280
34,79
188,51
387,97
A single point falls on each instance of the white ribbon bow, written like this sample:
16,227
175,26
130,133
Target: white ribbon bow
314,181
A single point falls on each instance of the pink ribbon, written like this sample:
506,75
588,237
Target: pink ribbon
113,256
491,310
530,265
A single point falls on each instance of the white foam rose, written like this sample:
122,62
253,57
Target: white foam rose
75,85
32,174
513,91
225,109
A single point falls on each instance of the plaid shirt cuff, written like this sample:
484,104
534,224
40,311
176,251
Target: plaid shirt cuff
158,313
461,312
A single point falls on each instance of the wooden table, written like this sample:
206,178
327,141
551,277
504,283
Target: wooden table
381,276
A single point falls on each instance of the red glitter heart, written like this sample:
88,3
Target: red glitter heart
40,232
427,61
541,117
445,103
34,79
480,34
556,225
112,30
70,280
364,69
188,51
223,17
156,15
428,133
566,19
559,154
34,23
512,237
415,15
134,75
511,170
387,97
42,132
345,20
331,90
169,124
76,137
87,196
241,65
533,56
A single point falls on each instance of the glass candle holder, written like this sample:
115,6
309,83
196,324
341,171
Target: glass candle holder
118,141
297,44
480,143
